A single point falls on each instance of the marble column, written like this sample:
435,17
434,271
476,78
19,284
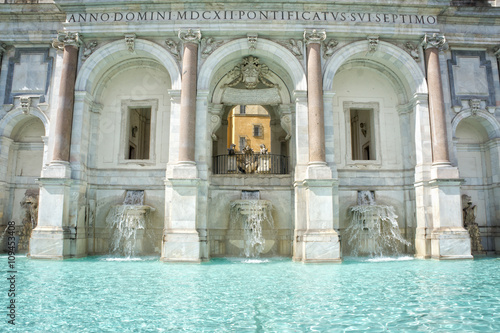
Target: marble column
319,242
181,239
449,240
187,123
315,96
55,237
433,44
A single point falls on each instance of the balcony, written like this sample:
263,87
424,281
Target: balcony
250,164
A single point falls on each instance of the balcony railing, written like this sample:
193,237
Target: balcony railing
250,164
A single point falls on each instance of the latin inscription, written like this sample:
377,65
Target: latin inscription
265,15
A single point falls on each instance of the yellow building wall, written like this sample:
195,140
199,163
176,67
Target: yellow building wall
242,125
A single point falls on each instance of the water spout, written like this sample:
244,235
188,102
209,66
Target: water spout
373,229
128,223
252,216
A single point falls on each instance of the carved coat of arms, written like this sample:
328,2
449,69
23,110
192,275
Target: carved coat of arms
250,72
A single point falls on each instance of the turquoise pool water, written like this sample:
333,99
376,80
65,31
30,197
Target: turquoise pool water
101,294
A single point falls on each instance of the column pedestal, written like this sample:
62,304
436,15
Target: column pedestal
181,241
320,242
53,238
449,239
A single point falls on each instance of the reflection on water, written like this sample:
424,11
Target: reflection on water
247,294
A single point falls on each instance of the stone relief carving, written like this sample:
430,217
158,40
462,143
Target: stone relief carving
173,49
130,41
250,72
314,36
96,107
434,41
25,104
496,51
469,218
252,42
295,46
475,105
67,38
209,45
190,35
215,123
329,48
372,44
412,50
286,124
88,50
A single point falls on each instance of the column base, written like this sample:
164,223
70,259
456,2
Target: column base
57,169
321,246
450,243
52,242
181,246
423,248
184,170
318,170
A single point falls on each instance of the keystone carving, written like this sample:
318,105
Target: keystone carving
250,72
130,41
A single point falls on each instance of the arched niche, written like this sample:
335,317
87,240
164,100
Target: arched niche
237,88
133,86
477,145
107,56
24,149
388,55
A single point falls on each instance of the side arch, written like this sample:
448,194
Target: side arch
487,120
110,54
397,60
12,118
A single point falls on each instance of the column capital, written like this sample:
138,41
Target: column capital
314,36
3,48
65,38
496,51
190,36
435,41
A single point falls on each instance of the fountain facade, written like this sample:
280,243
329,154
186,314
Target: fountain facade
373,228
128,224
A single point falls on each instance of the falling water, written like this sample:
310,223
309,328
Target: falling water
128,222
374,229
134,198
252,215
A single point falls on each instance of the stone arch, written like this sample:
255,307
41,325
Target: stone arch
12,118
484,118
285,70
395,59
238,49
110,54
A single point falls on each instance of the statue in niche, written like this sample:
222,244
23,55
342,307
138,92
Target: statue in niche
231,149
30,220
469,216
250,72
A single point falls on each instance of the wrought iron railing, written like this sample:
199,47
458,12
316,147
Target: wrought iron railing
250,164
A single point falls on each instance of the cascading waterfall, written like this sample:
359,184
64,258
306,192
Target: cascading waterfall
252,214
373,229
128,223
